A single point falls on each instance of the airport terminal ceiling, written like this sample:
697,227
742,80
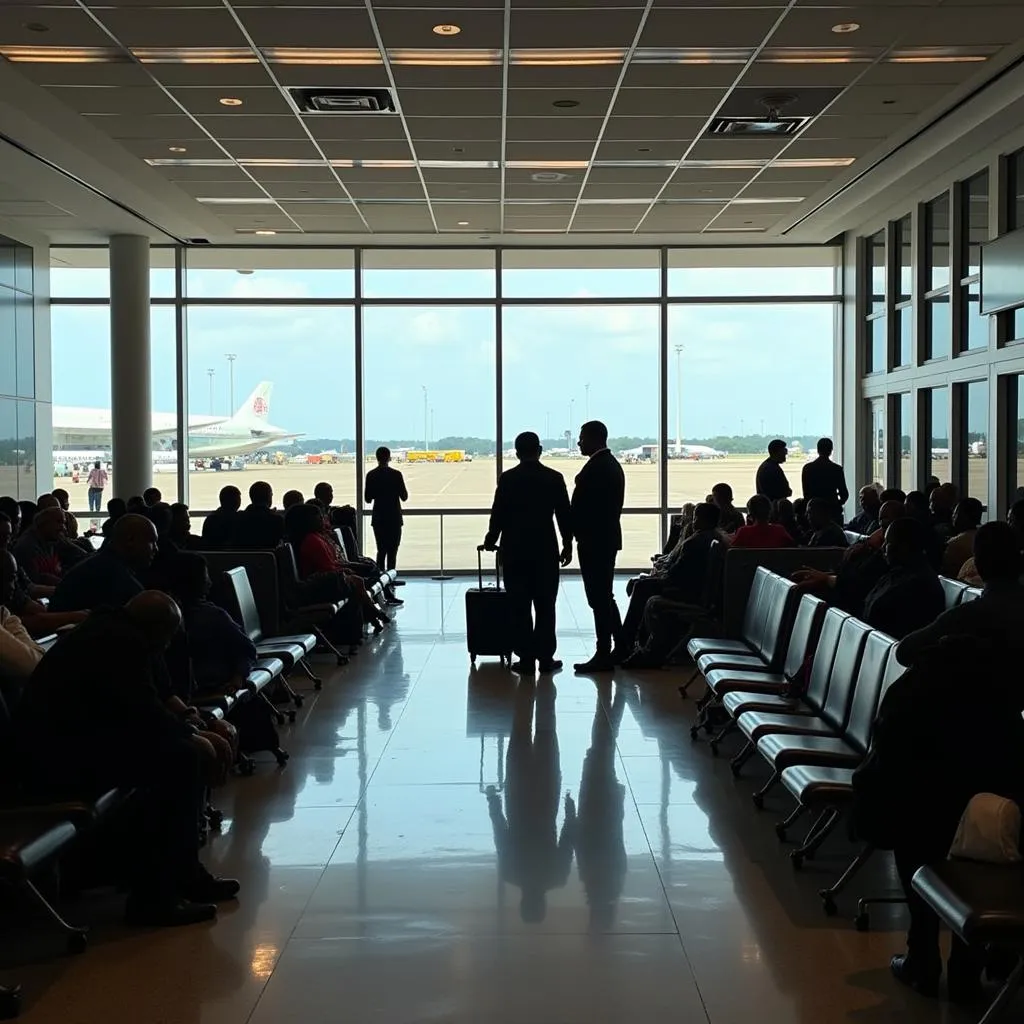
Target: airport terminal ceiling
670,121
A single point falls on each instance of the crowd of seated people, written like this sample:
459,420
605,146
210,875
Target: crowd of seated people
84,723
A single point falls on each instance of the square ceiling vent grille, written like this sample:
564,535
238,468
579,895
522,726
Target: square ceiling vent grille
745,127
331,100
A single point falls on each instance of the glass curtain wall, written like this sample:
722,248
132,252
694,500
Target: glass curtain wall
297,364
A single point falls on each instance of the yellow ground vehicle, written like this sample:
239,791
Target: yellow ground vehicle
436,456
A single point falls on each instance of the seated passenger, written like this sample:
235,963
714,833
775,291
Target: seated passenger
730,518
10,508
942,500
70,522
924,766
219,526
866,521
667,615
34,616
966,520
259,526
680,527
825,532
1015,520
784,514
997,615
116,508
291,498
44,551
87,724
151,496
19,653
760,531
316,556
909,594
222,654
863,565
180,532
136,505
111,577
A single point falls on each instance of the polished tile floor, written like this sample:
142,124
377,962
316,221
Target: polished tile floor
453,847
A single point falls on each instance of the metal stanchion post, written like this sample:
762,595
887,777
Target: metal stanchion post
442,575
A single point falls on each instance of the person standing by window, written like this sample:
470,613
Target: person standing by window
96,482
385,490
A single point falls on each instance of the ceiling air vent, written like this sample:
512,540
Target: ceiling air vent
760,127
771,123
332,100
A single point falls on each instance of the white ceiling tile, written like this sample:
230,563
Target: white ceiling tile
295,25
707,27
171,26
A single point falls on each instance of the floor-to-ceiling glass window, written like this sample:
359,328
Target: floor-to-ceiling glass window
973,441
905,428
939,322
298,363
937,457
749,361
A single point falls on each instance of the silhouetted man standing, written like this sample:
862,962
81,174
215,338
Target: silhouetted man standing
771,480
385,490
824,479
596,512
528,498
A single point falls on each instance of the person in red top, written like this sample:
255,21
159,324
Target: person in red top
759,532
315,554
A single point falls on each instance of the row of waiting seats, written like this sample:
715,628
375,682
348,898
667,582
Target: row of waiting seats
812,738
262,592
801,685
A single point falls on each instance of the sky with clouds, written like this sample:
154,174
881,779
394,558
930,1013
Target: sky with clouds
744,368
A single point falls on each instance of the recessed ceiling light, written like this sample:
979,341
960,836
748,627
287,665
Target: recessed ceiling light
566,104
463,223
888,103
176,149
446,30
264,231
36,26
845,27
230,101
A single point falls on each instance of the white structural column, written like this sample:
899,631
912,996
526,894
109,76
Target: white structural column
130,393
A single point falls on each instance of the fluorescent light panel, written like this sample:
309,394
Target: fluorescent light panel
521,165
425,57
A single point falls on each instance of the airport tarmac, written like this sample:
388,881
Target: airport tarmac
470,485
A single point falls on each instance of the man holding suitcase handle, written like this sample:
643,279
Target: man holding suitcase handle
528,499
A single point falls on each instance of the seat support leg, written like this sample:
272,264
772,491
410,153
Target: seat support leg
818,832
324,642
759,796
1006,994
71,932
304,667
742,757
852,868
688,683
787,823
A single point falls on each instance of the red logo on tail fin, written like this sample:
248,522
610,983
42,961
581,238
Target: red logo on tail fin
259,405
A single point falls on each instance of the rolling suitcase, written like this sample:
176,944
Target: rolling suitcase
487,617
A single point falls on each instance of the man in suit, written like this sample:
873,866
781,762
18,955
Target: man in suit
596,510
771,480
527,497
385,489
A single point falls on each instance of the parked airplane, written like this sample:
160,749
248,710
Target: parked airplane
208,436
696,452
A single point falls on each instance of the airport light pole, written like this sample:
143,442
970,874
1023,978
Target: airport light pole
426,438
210,373
547,425
586,401
572,405
679,400
432,436
791,421
231,357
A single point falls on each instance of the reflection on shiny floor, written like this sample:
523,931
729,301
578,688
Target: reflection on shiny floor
448,846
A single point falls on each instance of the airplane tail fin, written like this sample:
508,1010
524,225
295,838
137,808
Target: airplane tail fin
255,410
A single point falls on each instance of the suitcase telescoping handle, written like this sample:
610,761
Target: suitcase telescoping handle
480,549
